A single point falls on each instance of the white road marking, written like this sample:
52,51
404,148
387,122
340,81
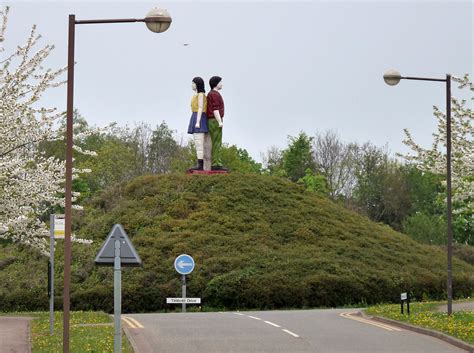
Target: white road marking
253,317
239,314
373,323
129,323
135,322
271,323
291,333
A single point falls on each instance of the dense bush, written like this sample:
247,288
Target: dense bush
258,242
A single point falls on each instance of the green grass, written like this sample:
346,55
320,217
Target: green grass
259,242
83,339
459,325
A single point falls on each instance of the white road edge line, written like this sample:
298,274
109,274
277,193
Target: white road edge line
253,317
135,322
129,323
271,323
291,333
238,314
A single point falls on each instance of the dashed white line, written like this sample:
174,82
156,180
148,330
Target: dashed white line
253,317
291,333
239,314
271,323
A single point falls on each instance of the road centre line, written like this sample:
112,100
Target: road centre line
291,333
253,317
348,315
271,323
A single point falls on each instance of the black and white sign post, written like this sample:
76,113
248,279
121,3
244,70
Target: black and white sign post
117,251
56,231
184,265
404,298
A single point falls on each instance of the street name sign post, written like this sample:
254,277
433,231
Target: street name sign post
184,265
57,227
117,251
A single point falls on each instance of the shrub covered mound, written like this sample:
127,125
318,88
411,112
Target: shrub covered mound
258,242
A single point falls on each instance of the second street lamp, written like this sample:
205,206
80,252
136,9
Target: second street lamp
157,20
392,78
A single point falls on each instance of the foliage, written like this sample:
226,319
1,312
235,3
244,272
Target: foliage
425,228
298,156
434,159
258,242
30,182
316,183
239,160
460,324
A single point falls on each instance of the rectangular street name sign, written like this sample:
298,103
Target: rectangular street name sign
183,300
59,226
403,296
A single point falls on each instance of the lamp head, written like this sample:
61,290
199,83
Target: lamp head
158,20
392,77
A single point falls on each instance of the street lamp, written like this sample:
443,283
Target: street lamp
157,20
392,78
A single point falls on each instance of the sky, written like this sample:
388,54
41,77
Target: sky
287,66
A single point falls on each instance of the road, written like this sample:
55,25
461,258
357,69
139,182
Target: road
296,331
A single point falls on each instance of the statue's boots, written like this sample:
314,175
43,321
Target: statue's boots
200,165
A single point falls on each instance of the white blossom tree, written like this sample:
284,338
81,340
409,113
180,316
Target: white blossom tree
30,183
462,153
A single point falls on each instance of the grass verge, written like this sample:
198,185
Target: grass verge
460,324
96,338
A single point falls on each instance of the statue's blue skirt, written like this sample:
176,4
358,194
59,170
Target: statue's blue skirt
192,124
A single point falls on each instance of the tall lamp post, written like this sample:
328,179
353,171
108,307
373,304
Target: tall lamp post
157,20
392,78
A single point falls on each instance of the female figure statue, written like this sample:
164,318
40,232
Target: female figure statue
198,121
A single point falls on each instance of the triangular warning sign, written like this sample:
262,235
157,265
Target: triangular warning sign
128,254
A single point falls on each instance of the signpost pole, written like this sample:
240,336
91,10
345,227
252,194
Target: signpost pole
117,300
183,305
51,274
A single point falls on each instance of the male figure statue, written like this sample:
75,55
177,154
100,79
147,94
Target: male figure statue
215,115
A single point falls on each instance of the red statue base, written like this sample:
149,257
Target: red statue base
207,172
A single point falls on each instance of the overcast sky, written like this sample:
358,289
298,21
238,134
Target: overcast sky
286,66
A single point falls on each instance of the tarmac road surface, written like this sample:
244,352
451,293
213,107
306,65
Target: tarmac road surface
295,331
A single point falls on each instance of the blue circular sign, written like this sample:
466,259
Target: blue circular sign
184,264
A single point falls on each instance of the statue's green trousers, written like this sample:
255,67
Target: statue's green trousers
216,137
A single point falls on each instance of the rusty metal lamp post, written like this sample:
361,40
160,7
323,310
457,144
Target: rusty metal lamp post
392,78
157,20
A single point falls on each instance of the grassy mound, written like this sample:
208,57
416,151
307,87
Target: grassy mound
258,242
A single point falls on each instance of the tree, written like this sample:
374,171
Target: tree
298,156
162,149
239,160
434,159
337,162
30,182
381,190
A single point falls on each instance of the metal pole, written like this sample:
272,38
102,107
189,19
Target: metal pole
117,300
183,287
68,192
51,280
449,193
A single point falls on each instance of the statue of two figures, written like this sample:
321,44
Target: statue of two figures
206,123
